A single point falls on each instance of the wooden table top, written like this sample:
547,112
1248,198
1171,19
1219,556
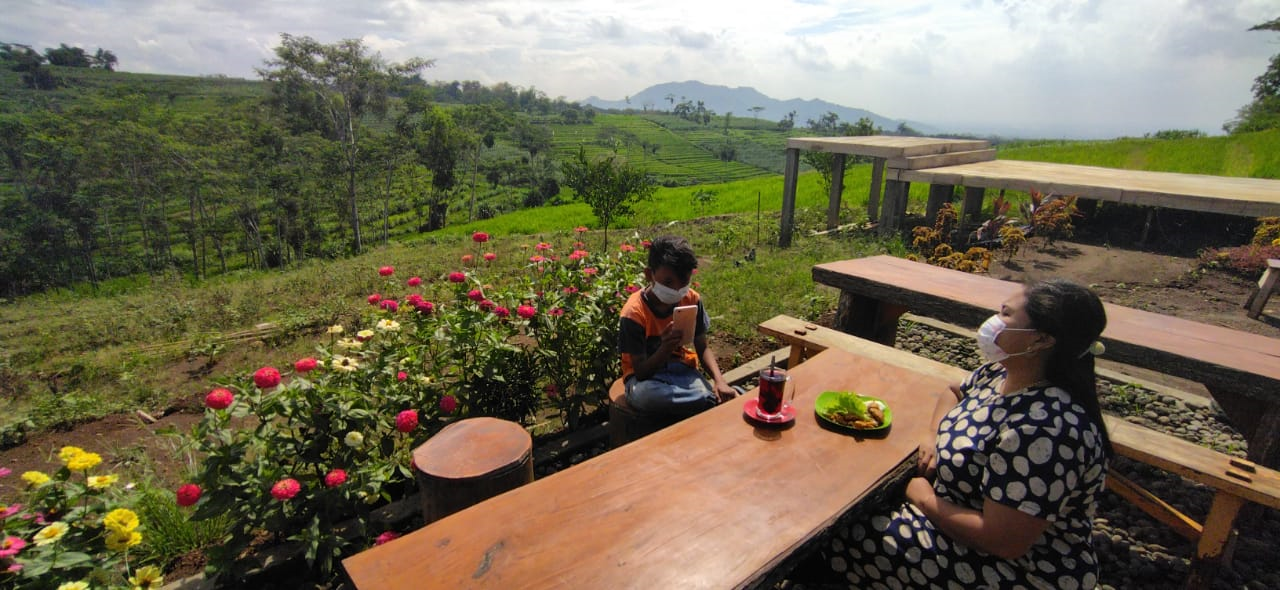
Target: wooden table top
886,146
711,502
1214,355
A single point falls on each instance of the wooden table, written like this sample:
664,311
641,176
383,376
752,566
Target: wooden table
1240,369
711,502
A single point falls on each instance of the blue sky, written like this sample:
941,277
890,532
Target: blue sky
1057,68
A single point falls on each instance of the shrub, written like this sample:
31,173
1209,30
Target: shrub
1267,233
1050,216
932,247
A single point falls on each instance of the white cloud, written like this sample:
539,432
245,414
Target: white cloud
1060,67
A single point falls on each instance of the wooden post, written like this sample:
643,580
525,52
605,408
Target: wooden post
1213,549
868,318
471,461
939,194
837,187
877,179
789,174
971,211
895,206
1266,285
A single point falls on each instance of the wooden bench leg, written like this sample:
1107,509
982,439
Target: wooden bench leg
1214,549
873,199
894,209
1266,285
868,318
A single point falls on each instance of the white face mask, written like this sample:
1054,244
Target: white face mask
668,295
987,334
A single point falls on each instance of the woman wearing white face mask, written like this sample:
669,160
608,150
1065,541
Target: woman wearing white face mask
1007,489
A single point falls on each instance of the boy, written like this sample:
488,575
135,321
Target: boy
661,375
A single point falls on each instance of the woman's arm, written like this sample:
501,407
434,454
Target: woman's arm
927,457
1000,530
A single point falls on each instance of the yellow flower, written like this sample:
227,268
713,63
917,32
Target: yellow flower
84,461
386,325
343,363
335,329
147,578
99,482
51,533
120,521
35,478
349,343
81,585
121,541
68,453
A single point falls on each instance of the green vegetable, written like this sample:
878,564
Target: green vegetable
851,403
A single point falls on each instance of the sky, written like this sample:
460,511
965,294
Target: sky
1030,68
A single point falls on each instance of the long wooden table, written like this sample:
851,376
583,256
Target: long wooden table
712,502
1240,369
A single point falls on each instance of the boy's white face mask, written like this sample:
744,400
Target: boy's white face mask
668,295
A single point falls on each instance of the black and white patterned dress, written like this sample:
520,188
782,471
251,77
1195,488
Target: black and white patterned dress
1032,450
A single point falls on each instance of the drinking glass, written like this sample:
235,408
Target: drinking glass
773,387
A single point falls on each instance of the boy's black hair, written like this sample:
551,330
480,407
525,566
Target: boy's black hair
674,252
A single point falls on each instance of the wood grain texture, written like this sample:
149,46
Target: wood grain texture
886,146
711,502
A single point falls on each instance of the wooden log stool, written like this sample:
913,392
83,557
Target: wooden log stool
471,461
627,424
1266,286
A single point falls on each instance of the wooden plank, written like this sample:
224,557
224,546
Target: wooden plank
788,198
971,211
1154,506
940,160
837,187
1266,285
885,146
1214,541
894,209
939,195
877,180
750,369
742,499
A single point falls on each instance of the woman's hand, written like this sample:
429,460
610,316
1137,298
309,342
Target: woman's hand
927,460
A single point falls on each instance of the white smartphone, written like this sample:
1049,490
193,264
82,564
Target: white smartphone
684,318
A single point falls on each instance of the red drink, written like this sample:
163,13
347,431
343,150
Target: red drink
773,382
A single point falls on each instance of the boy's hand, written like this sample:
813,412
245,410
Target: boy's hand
671,338
725,392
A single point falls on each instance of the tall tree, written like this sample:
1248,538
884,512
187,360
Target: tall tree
329,89
1264,111
610,186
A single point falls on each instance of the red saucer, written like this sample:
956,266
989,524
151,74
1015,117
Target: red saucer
752,411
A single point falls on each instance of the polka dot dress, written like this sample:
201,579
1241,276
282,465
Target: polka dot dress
1034,451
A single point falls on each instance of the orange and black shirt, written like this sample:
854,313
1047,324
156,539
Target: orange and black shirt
640,329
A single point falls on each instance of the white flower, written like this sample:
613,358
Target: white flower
349,344
354,439
363,335
335,329
345,364
386,325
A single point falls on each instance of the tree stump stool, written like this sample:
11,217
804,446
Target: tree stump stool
470,461
627,424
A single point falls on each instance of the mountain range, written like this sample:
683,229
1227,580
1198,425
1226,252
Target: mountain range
739,101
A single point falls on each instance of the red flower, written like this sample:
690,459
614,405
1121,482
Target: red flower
570,290
286,489
579,245
266,377
647,244
335,478
632,288
487,305
627,248
580,229
305,365
386,537
490,256
448,404
480,237
189,494
401,376
390,305
457,277
414,281
578,255
407,420
413,299
425,307
542,246
219,399
526,311
386,271
374,299
537,258
467,258
590,270
556,312
475,295
551,390
501,311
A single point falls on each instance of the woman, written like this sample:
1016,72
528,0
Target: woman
1017,463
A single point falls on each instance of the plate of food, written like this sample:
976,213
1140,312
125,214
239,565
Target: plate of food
847,410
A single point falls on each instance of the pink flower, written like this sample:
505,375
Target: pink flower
632,288
467,258
413,299
457,277
414,281
486,305
425,307
448,404
475,295
501,311
647,244
537,258
582,229
401,376
627,248
189,494
526,311
10,546
577,255
407,420
286,489
590,271
542,246
305,365
5,471
490,256
556,312
387,271
335,478
14,568
10,510
390,305
570,290
579,245
266,377
374,299
386,537
480,237
551,390
220,398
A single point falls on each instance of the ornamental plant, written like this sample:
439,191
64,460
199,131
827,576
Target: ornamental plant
73,527
289,456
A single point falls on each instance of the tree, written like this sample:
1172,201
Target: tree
64,55
482,121
755,111
829,124
329,89
440,145
30,63
105,60
609,186
1264,111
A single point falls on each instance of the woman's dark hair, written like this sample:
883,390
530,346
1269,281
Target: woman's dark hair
1074,316
675,252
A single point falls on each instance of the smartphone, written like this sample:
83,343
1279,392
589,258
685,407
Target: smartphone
684,318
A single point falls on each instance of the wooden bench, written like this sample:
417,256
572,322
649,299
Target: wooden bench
1241,370
1266,286
1235,481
